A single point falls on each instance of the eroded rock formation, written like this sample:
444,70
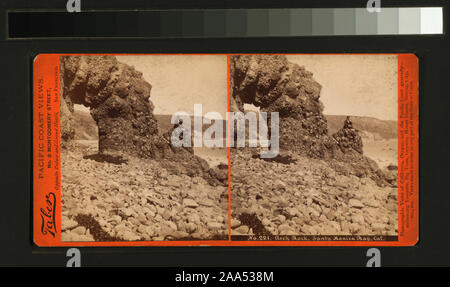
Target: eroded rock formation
348,137
274,84
118,98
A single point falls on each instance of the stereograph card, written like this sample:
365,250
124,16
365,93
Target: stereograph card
225,149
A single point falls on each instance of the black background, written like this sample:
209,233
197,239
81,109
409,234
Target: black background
16,246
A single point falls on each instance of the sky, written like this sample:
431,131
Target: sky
358,85
180,81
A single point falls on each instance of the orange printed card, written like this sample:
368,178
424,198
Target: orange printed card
225,150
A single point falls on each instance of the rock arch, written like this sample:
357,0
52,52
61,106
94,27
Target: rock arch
274,84
119,101
118,98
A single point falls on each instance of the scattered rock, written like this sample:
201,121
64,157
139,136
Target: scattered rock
235,223
67,223
187,202
378,227
80,230
243,229
285,229
357,218
355,203
215,225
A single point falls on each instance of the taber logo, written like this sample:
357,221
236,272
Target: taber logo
48,225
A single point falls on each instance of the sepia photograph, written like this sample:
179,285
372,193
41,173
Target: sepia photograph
334,174
122,178
313,145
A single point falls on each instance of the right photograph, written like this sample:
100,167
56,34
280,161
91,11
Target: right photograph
314,151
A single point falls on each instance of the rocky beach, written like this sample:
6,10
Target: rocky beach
129,183
142,199
307,197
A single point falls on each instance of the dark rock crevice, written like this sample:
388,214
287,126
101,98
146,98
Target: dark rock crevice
94,228
253,222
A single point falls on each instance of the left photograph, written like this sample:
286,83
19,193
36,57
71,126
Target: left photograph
122,179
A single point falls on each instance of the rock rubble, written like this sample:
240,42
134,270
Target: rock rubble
137,200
